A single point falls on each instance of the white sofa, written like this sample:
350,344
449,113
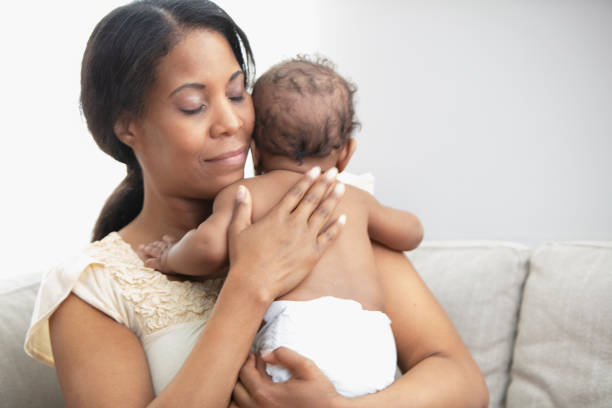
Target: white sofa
538,321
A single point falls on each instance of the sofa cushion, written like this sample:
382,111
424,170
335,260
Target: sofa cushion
479,285
24,382
563,353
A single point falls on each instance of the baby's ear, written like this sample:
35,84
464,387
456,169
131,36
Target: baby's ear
345,154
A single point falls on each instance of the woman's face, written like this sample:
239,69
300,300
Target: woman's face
194,135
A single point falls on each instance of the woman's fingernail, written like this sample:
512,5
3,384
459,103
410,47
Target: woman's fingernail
331,173
314,172
339,189
342,219
241,193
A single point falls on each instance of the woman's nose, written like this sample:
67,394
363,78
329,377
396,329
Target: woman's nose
227,121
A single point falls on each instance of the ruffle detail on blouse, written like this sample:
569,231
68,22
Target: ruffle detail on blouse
157,302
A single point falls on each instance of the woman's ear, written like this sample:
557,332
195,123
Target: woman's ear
123,130
344,156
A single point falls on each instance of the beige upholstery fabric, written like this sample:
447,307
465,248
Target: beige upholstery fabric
479,285
24,382
563,355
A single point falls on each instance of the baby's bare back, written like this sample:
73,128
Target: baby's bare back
347,268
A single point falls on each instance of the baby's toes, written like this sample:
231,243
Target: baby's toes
156,248
152,263
151,250
168,239
145,249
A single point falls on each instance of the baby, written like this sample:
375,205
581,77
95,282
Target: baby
335,317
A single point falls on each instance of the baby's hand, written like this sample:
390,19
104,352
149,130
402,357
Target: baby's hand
156,253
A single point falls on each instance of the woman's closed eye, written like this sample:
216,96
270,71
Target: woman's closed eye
195,108
191,104
236,92
193,111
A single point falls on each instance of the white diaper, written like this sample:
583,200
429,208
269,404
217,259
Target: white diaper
353,347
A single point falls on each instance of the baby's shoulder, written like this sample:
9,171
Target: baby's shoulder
357,197
254,184
226,197
265,190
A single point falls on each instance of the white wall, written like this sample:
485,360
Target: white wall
488,119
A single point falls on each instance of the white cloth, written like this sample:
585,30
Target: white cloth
167,316
353,347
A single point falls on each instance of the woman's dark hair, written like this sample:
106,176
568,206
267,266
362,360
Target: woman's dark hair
118,69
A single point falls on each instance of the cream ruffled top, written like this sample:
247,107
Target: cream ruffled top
167,316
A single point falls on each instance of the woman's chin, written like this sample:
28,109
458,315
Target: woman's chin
212,182
230,177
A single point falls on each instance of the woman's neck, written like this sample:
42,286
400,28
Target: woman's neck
165,216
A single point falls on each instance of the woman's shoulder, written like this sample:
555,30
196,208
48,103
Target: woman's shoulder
152,301
109,275
85,271
112,250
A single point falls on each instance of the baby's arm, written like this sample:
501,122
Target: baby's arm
201,251
396,229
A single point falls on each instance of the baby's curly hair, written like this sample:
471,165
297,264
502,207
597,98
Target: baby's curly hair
303,108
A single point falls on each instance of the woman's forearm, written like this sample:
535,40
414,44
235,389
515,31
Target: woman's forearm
438,368
437,381
210,372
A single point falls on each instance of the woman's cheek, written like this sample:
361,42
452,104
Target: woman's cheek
249,114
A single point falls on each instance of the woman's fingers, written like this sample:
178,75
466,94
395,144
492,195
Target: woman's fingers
240,393
280,249
249,375
315,195
327,237
260,364
320,217
307,388
249,390
241,397
308,192
241,217
300,366
297,192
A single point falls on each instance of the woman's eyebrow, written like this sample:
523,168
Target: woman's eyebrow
235,75
194,85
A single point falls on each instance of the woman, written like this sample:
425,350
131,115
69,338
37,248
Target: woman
164,90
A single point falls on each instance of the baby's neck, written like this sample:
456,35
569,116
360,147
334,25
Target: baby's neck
272,163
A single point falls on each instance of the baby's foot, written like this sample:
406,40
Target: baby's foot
156,253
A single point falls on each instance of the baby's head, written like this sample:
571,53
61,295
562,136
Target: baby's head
304,110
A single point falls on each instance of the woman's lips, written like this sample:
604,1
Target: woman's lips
230,158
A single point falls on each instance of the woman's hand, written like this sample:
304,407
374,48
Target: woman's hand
306,388
277,252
